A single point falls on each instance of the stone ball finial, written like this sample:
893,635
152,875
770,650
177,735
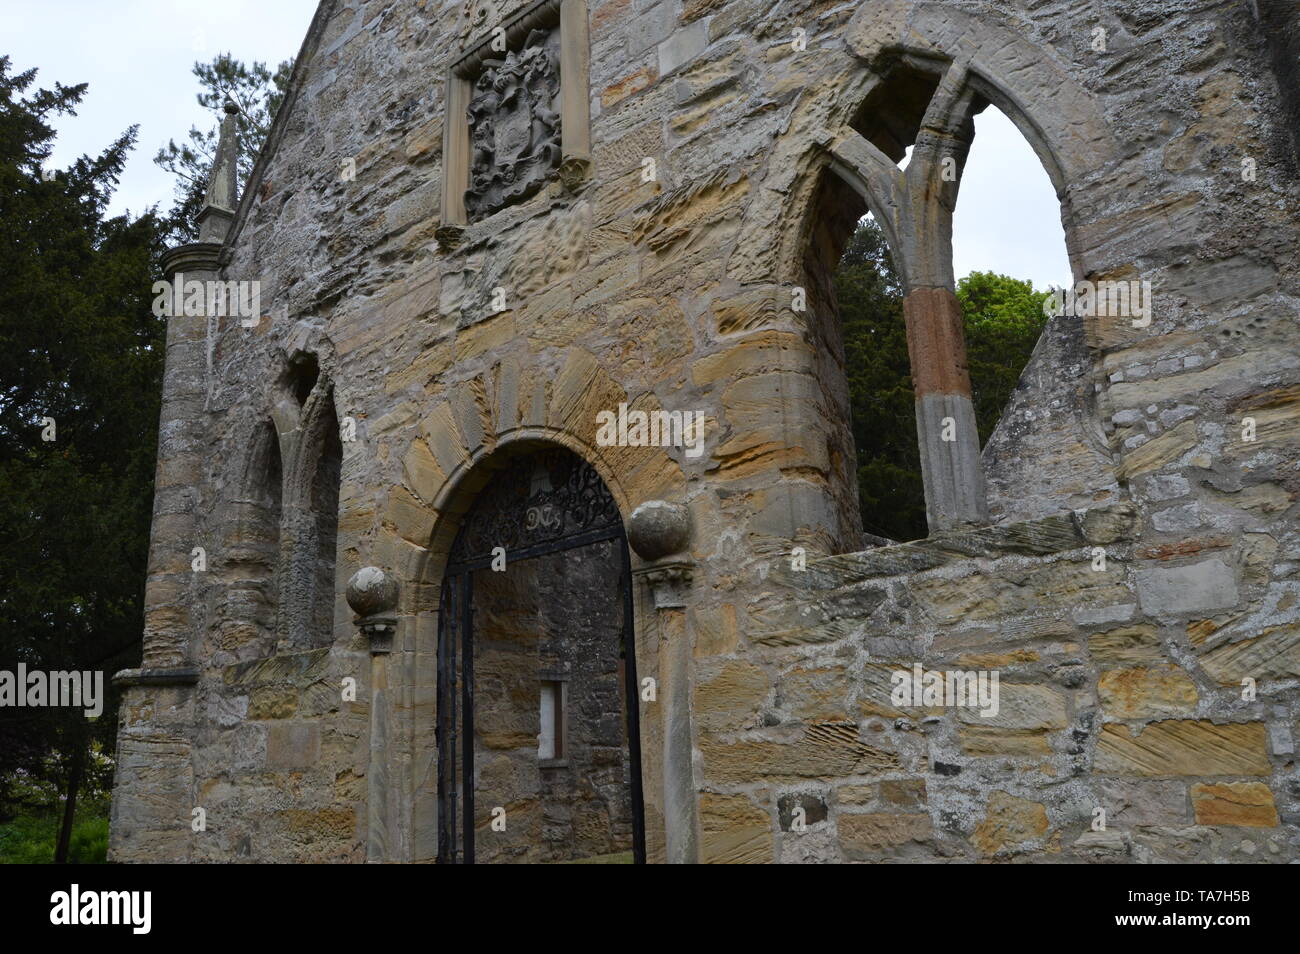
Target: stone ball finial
372,592
230,106
658,529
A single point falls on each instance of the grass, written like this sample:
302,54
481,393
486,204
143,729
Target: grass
30,838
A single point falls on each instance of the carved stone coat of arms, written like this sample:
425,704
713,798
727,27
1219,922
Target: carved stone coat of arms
514,125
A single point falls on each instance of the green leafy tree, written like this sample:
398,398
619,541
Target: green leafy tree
1003,318
258,93
870,298
81,353
80,347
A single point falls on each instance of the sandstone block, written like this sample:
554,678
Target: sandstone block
1021,707
1131,803
734,831
683,46
1182,590
1273,654
292,746
824,751
1127,646
870,835
1184,747
1249,804
1011,822
731,699
1155,693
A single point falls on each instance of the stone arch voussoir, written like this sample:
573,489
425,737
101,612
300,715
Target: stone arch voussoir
522,409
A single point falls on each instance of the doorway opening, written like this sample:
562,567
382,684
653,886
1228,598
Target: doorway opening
538,729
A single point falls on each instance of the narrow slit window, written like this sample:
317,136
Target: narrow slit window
550,741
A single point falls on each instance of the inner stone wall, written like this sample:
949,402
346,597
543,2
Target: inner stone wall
556,617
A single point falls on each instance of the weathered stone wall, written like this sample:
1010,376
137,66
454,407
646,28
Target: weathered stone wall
1111,697
1121,686
555,617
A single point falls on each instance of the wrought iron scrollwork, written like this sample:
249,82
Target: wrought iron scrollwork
546,500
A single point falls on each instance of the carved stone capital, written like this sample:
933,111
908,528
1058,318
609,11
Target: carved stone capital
575,172
204,257
379,630
669,582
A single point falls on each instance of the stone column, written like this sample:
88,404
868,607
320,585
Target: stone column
182,433
372,594
659,532
946,429
455,160
575,93
182,427
153,789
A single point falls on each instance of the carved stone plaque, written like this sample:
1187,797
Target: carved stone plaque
514,125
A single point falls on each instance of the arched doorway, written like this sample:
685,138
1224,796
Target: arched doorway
538,734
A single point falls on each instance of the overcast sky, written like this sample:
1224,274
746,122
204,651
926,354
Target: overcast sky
137,54
1008,219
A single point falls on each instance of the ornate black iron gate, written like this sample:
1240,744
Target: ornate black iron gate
545,503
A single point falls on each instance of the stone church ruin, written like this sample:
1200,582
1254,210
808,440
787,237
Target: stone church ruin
442,621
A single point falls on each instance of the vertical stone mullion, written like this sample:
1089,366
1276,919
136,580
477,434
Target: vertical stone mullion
915,208
298,552
946,428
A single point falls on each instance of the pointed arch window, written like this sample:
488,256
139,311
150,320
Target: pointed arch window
309,537
920,116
